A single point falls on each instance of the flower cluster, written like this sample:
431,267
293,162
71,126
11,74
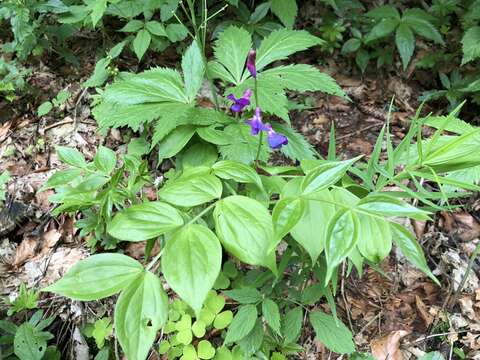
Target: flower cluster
274,139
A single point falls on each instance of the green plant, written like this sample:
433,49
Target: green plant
12,79
26,300
98,187
29,340
58,101
223,194
4,178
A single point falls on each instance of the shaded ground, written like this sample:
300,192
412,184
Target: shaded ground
383,311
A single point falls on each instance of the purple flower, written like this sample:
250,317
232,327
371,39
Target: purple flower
240,103
255,122
252,56
275,140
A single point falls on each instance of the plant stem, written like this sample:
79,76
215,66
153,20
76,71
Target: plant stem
260,138
201,213
154,260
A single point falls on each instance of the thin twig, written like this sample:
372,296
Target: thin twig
424,338
64,122
356,132
342,291
79,99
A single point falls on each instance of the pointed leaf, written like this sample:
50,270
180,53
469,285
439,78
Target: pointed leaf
332,333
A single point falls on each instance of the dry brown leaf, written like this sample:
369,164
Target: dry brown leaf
424,313
25,250
388,347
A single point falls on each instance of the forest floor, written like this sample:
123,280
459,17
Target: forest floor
401,312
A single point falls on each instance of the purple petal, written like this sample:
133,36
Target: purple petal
252,55
256,125
275,140
232,97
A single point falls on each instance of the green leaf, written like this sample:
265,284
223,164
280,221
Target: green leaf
405,42
44,108
245,229
325,175
332,333
303,77
286,10
231,50
292,324
193,70
61,177
286,214
141,43
242,145
242,323
71,156
435,355
176,32
342,236
29,342
205,350
151,86
282,43
411,249
97,277
155,28
191,263
141,310
244,295
419,22
351,45
384,28
174,142
199,154
234,170
271,314
105,159
102,329
374,248
144,221
298,148
222,320
311,230
251,343
98,9
471,44
386,205
132,26
191,189
383,11
100,74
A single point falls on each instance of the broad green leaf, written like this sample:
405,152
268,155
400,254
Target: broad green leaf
231,50
98,9
303,77
374,238
141,43
286,10
271,314
292,324
351,45
234,170
71,156
405,42
141,310
205,350
251,343
259,13
191,263
435,355
242,323
311,230
193,70
386,205
191,189
132,26
152,86
332,333
411,249
286,214
471,44
144,221
156,28
44,108
199,154
383,11
342,236
282,43
105,159
419,21
384,28
174,142
29,342
97,277
176,32
325,175
61,177
245,229
244,295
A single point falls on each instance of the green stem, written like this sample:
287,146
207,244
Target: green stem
260,138
154,260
